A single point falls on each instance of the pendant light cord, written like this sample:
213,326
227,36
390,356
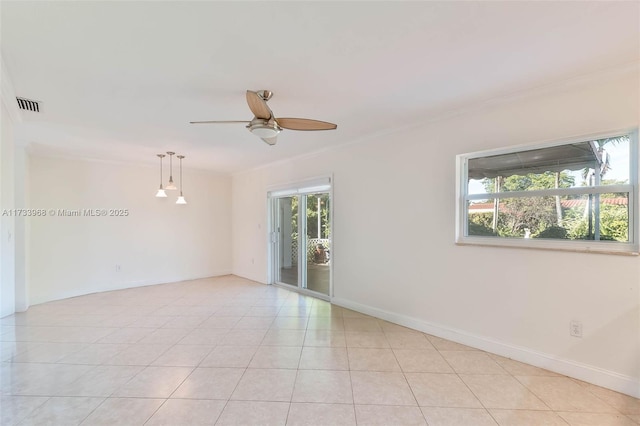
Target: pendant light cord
160,156
180,176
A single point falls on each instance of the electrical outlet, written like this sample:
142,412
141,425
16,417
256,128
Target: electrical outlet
575,328
118,268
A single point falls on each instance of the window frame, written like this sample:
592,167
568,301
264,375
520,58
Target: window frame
462,198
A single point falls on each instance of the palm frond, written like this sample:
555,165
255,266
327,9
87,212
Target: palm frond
614,141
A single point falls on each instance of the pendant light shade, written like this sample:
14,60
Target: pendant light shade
171,186
161,193
181,199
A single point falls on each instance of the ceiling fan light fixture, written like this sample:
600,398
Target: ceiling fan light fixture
264,130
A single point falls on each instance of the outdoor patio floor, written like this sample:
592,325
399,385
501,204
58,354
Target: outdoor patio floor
317,277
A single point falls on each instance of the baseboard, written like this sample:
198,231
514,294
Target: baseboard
251,277
588,373
118,286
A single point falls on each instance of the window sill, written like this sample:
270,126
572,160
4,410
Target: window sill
605,247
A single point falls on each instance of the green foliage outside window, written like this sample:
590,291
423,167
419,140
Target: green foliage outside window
538,217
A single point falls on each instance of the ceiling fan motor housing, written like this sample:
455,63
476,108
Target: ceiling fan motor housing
265,94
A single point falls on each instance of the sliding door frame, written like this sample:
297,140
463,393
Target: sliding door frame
321,184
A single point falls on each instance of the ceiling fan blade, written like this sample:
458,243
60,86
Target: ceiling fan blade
271,141
304,124
258,106
218,121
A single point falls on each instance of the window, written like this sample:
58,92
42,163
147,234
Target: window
576,195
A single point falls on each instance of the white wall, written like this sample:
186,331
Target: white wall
12,178
7,222
396,192
21,176
158,242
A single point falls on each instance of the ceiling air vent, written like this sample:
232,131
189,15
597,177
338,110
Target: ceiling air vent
28,104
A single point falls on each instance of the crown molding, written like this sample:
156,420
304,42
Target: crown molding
574,82
37,150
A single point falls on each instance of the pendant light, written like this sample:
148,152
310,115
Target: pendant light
171,186
161,193
181,199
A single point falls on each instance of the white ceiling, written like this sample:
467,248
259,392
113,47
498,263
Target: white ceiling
121,80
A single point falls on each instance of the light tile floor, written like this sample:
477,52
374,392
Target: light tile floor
228,351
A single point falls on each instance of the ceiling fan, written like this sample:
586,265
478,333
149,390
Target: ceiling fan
265,125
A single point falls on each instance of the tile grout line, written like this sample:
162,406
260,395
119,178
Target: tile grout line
177,387
237,298
235,387
404,376
92,411
468,387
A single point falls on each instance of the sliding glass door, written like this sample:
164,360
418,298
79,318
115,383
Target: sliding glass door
318,242
301,239
288,240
